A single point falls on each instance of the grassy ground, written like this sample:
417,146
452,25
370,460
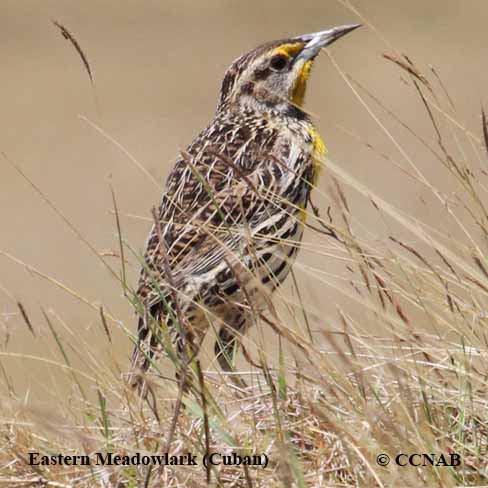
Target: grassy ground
329,404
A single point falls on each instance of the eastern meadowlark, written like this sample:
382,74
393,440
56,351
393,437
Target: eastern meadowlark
232,215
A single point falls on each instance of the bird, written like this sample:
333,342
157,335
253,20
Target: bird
231,218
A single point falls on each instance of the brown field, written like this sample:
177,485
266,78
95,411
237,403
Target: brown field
409,167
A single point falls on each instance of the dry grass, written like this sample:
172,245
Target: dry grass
332,400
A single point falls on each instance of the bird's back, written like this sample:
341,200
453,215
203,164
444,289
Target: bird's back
243,182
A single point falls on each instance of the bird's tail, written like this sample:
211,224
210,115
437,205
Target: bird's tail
147,349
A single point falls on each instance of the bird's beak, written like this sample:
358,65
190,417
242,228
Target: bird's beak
316,41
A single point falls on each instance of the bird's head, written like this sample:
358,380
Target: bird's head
273,77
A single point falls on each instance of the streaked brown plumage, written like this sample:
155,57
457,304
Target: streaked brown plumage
231,219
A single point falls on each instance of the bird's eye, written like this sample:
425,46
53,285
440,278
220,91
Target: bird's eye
278,62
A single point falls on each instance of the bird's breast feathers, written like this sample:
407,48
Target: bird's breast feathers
318,153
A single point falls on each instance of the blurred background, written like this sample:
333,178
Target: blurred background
157,69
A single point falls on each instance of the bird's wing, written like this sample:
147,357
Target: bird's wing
214,201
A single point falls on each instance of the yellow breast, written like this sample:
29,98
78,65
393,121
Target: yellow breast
319,151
